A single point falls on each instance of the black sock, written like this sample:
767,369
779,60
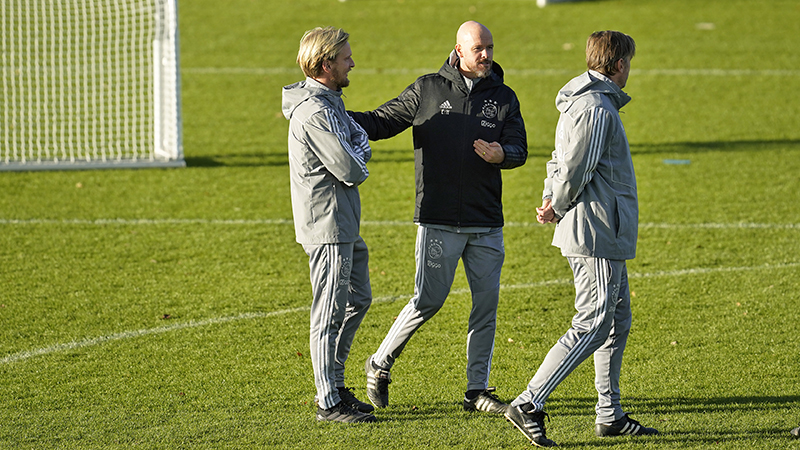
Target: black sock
473,393
526,407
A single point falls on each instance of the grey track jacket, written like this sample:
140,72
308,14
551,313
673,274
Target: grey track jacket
590,178
328,153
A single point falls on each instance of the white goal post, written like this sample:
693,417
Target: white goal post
89,84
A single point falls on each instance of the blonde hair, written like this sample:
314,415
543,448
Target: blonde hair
319,45
605,48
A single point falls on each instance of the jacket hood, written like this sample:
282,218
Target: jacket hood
296,94
450,70
589,83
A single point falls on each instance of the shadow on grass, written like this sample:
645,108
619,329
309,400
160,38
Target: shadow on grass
690,431
677,405
424,411
692,147
697,432
703,147
238,160
276,159
280,158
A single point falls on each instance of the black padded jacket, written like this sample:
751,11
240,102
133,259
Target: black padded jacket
454,185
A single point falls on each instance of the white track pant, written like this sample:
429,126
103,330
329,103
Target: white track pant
342,296
600,327
437,255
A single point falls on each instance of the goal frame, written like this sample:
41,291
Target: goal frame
164,146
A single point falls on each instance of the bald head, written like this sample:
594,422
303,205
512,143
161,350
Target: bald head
471,31
475,49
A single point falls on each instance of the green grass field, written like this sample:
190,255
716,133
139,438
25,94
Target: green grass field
169,308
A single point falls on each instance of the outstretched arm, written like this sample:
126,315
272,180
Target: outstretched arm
391,118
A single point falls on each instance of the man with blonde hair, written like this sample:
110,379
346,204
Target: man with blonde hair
590,194
328,155
467,129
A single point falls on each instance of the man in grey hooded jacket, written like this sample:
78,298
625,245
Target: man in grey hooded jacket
328,153
590,193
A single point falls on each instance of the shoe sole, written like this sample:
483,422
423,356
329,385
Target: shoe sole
526,435
346,418
521,431
368,369
364,420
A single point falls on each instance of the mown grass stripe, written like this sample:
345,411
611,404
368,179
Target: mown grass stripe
90,342
518,72
391,223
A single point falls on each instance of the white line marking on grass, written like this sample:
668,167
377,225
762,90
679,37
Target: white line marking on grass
391,223
132,334
24,355
774,226
518,72
680,226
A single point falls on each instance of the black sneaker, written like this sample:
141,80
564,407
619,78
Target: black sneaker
377,384
347,396
795,433
622,427
343,413
531,424
486,402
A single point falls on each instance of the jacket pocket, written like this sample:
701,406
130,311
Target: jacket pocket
627,220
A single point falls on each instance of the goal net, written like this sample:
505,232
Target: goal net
89,84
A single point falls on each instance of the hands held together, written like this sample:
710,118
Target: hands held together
545,214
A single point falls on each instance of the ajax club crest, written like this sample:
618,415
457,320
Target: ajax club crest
435,251
344,271
489,110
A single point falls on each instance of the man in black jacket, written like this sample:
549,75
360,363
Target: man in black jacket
467,126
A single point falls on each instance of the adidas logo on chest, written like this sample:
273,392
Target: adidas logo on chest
445,107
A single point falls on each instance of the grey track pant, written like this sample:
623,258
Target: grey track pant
342,296
600,327
437,255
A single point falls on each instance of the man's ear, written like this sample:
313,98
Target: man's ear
619,65
458,51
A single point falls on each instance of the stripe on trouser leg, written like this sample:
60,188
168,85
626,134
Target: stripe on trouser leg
328,300
407,312
399,325
602,277
410,311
